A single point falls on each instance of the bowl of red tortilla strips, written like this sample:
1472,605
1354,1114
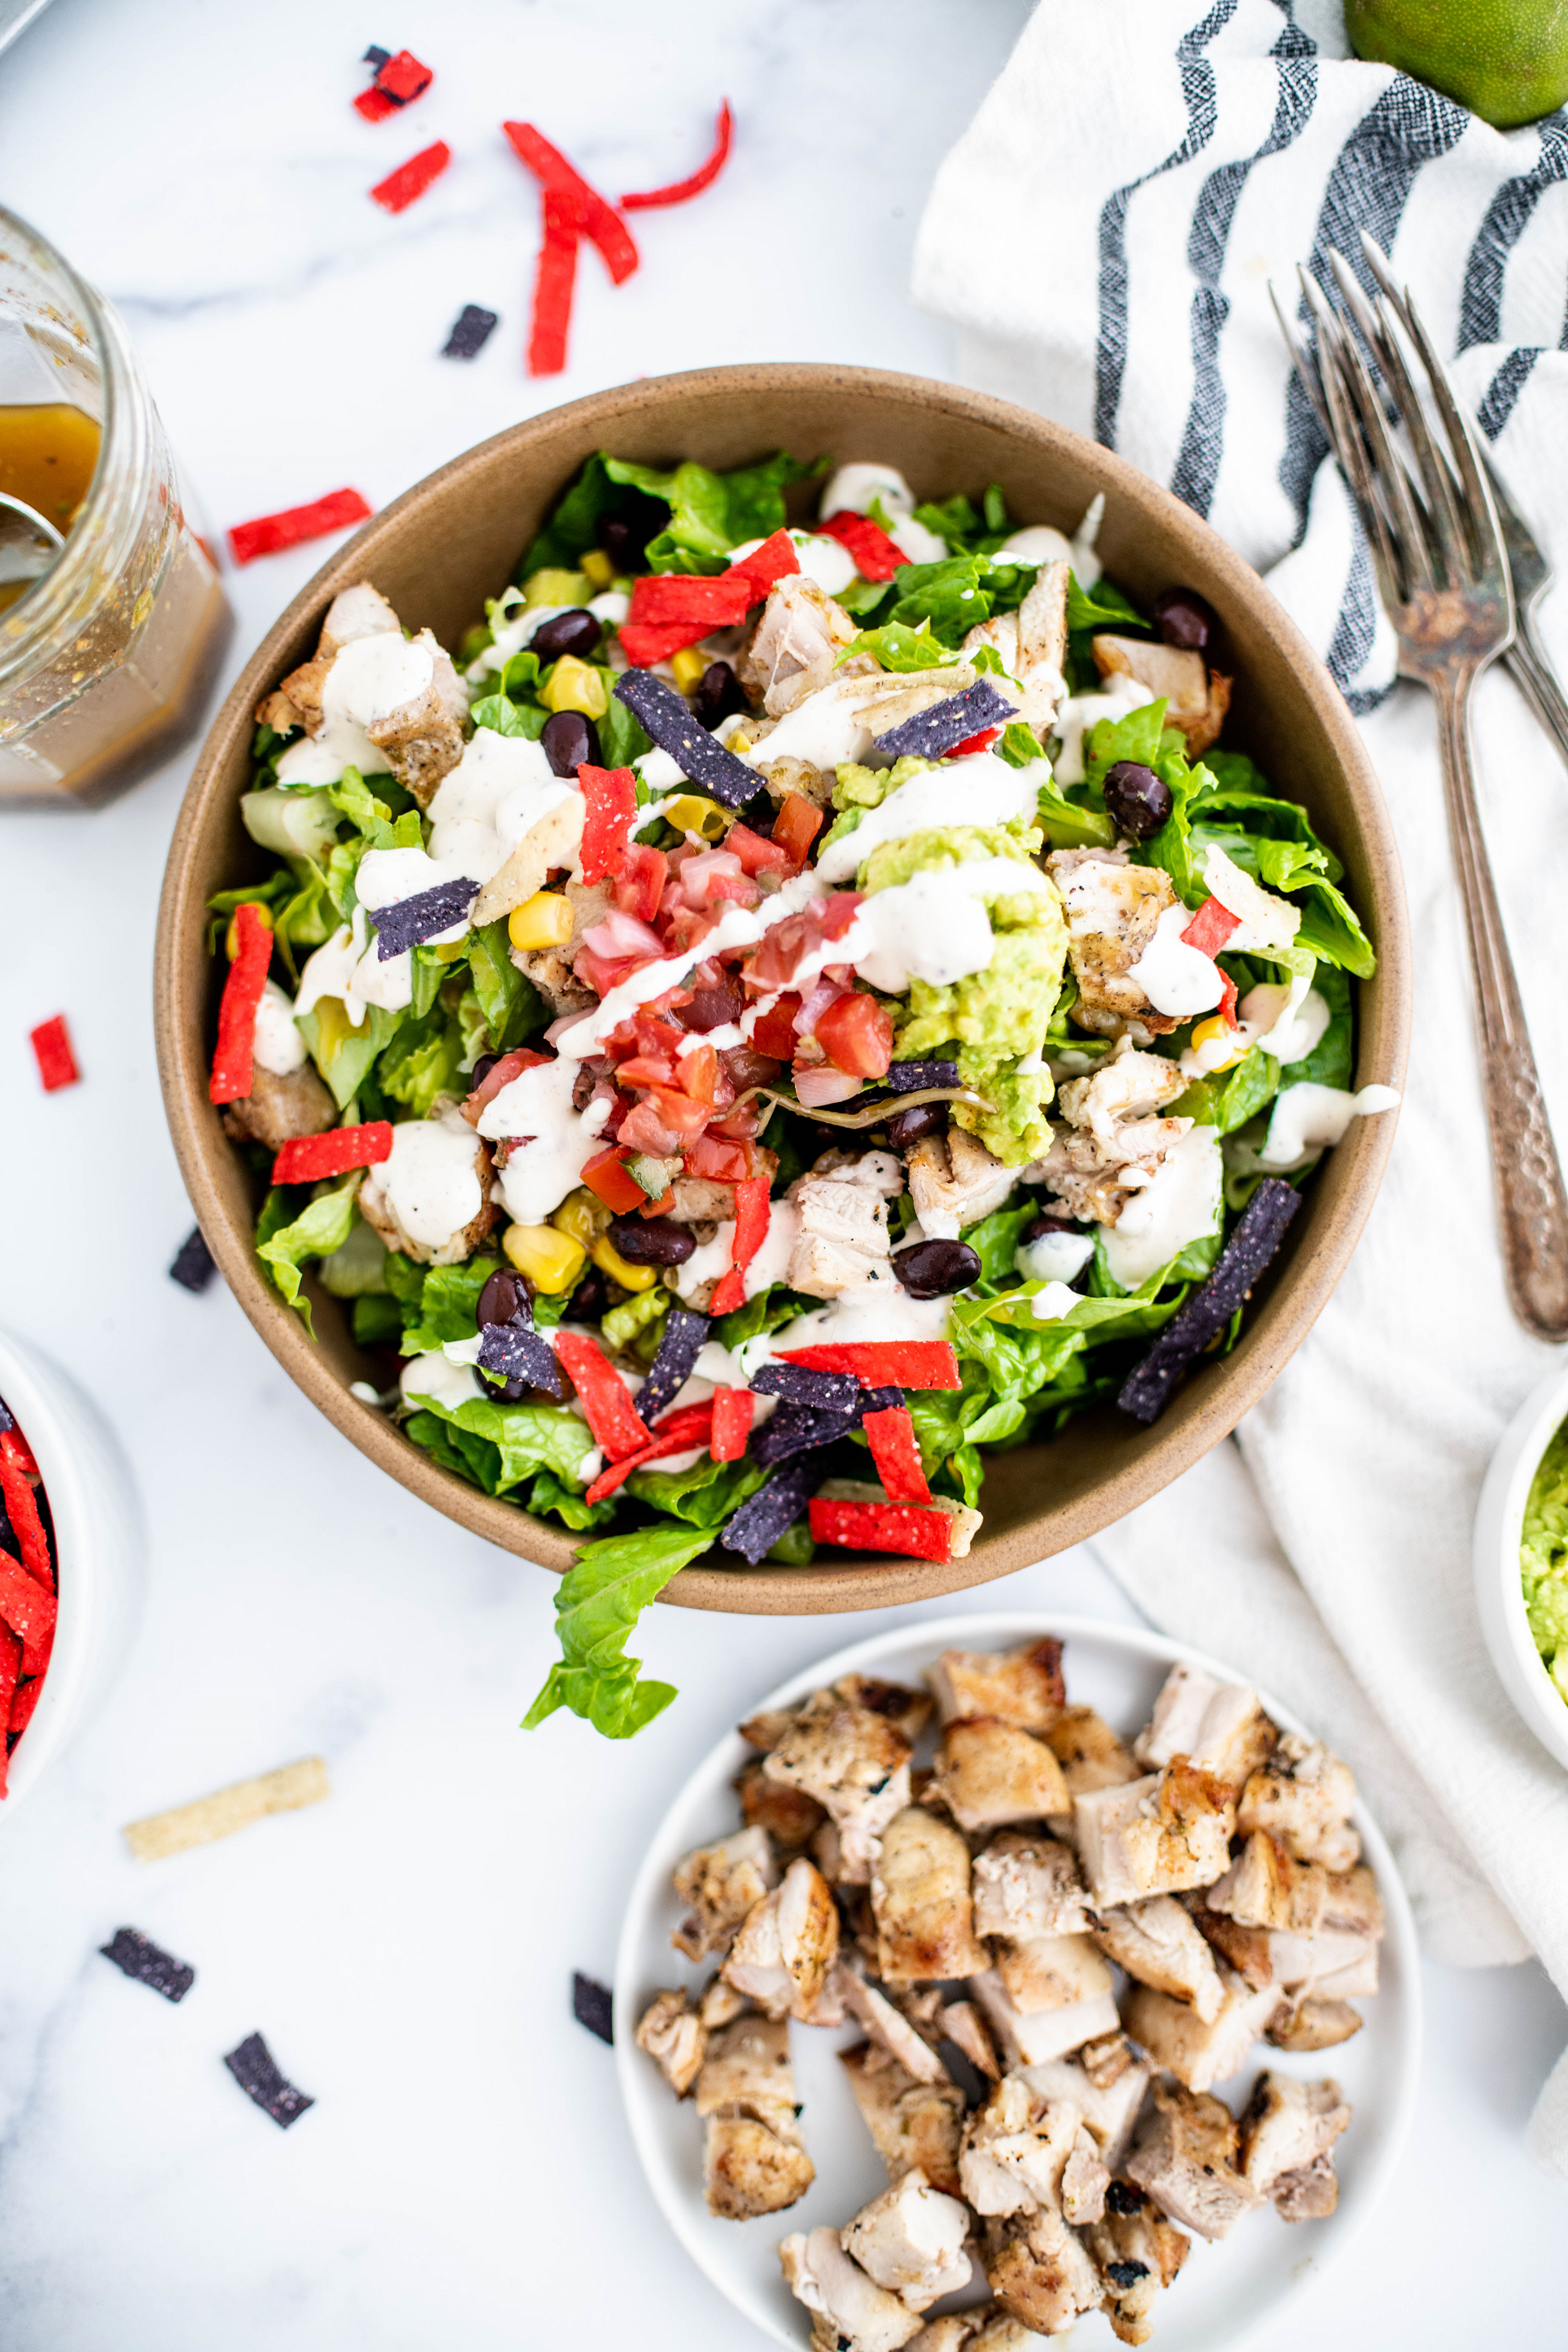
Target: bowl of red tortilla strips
563,1289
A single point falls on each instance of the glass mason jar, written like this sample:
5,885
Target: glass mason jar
106,660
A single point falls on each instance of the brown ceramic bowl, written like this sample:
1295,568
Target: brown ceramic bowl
454,539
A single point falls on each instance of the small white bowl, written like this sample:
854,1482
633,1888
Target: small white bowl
1500,1592
99,1551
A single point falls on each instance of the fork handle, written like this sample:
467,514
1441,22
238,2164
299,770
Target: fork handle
1537,681
1532,1205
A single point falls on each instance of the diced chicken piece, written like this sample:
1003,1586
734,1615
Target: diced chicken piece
1138,2252
1052,1972
1287,2132
912,2124
360,611
1027,1886
1155,1941
1199,2053
787,1816
962,2024
1310,2023
888,2026
1029,2037
990,1773
550,969
720,2004
1100,1158
1021,1687
1032,645
842,1241
1154,1836
1303,1795
855,1763
1112,911
1196,698
1186,2159
721,1883
1245,1950
910,2240
748,2071
1089,1752
798,636
1021,2152
1109,2101
1000,2333
828,1853
1264,1888
276,1110
754,2162
920,1896
952,2333
749,2169
1219,1726
674,2035
787,1944
1336,1964
857,2312
378,1207
424,738
1038,2270
954,1182
909,1710
1121,1090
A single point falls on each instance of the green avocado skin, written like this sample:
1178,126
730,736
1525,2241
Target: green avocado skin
1543,1559
1507,61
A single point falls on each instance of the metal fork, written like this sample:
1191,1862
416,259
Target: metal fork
1443,575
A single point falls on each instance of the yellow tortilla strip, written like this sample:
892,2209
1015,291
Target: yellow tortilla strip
219,1815
551,841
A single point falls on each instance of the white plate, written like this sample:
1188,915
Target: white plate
1226,2292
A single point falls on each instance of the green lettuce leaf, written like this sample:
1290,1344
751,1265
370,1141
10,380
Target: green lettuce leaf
1230,1097
356,1052
528,1437
512,1006
423,1067
319,1230
598,1603
448,1306
897,647
706,1494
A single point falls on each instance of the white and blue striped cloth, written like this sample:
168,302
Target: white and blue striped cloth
1103,238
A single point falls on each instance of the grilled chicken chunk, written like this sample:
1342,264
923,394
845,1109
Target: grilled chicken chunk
424,738
1108,1150
855,1763
787,1816
1287,2132
748,2168
721,1883
1051,1972
1155,1941
674,2035
954,1181
1021,1687
1196,698
1339,1959
747,2067
1154,1836
754,2162
990,1773
1303,1795
1106,2083
1029,2037
1186,2158
851,2308
909,1710
1137,2252
842,1241
799,635
1218,1726
952,2333
276,1110
1264,1888
379,1209
1025,1887
1089,1752
786,1944
961,2023
1032,645
1310,2023
888,2026
1200,2052
360,611
720,2004
1112,911
1021,2152
1038,2270
1245,1950
921,1899
913,2125
910,2240
999,2332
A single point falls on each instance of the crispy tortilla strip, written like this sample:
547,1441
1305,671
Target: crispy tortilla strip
219,1815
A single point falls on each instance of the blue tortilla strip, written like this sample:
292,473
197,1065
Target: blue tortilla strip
905,1078
471,330
798,1429
256,2071
930,732
701,757
514,1351
798,1384
756,1526
376,58
6,1420
876,1400
408,921
1259,1230
139,1958
193,1268
680,1344
593,2005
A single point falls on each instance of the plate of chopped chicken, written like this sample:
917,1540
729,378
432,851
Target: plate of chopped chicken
1002,1977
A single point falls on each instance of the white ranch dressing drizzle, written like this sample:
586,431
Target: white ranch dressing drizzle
1037,542
1285,1022
1080,713
443,1382
933,928
386,877
707,1263
1057,1299
430,1183
825,729
498,793
1307,1119
862,484
871,1311
348,967
540,1173
277,1045
515,625
1180,1203
1053,1257
370,679
821,559
1179,981
981,790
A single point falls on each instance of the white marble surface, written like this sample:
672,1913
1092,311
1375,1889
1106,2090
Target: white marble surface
407,1948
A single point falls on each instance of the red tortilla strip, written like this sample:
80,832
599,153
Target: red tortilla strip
679,192
269,534
400,188
29,1609
555,284
596,218
884,1363
883,1527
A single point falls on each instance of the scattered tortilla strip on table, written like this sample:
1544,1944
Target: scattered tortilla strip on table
592,2005
158,1835
145,1962
257,2072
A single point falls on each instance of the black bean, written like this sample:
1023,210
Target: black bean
618,540
1038,1228
591,1299
1137,801
569,740
575,632
907,1126
504,1297
652,1241
713,1008
930,1270
719,692
1183,618
482,1069
582,1087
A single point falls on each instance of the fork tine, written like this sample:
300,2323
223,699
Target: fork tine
1409,527
1442,509
1377,262
1486,529
1351,451
1304,363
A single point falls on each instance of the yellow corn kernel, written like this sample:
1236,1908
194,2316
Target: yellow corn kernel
582,1215
601,571
690,812
577,686
608,1260
231,937
551,1260
332,1026
556,588
542,921
688,666
1207,1032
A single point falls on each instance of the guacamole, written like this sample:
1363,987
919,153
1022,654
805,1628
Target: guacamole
1543,1559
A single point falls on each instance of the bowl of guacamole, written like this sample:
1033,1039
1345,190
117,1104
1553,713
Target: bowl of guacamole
1521,1562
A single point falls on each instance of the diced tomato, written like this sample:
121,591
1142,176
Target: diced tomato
796,826
973,743
1211,928
743,1122
698,1074
726,1162
639,881
773,1032
856,1035
679,1113
601,973
756,853
782,950
1228,1002
643,1130
605,1175
686,928
645,1070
